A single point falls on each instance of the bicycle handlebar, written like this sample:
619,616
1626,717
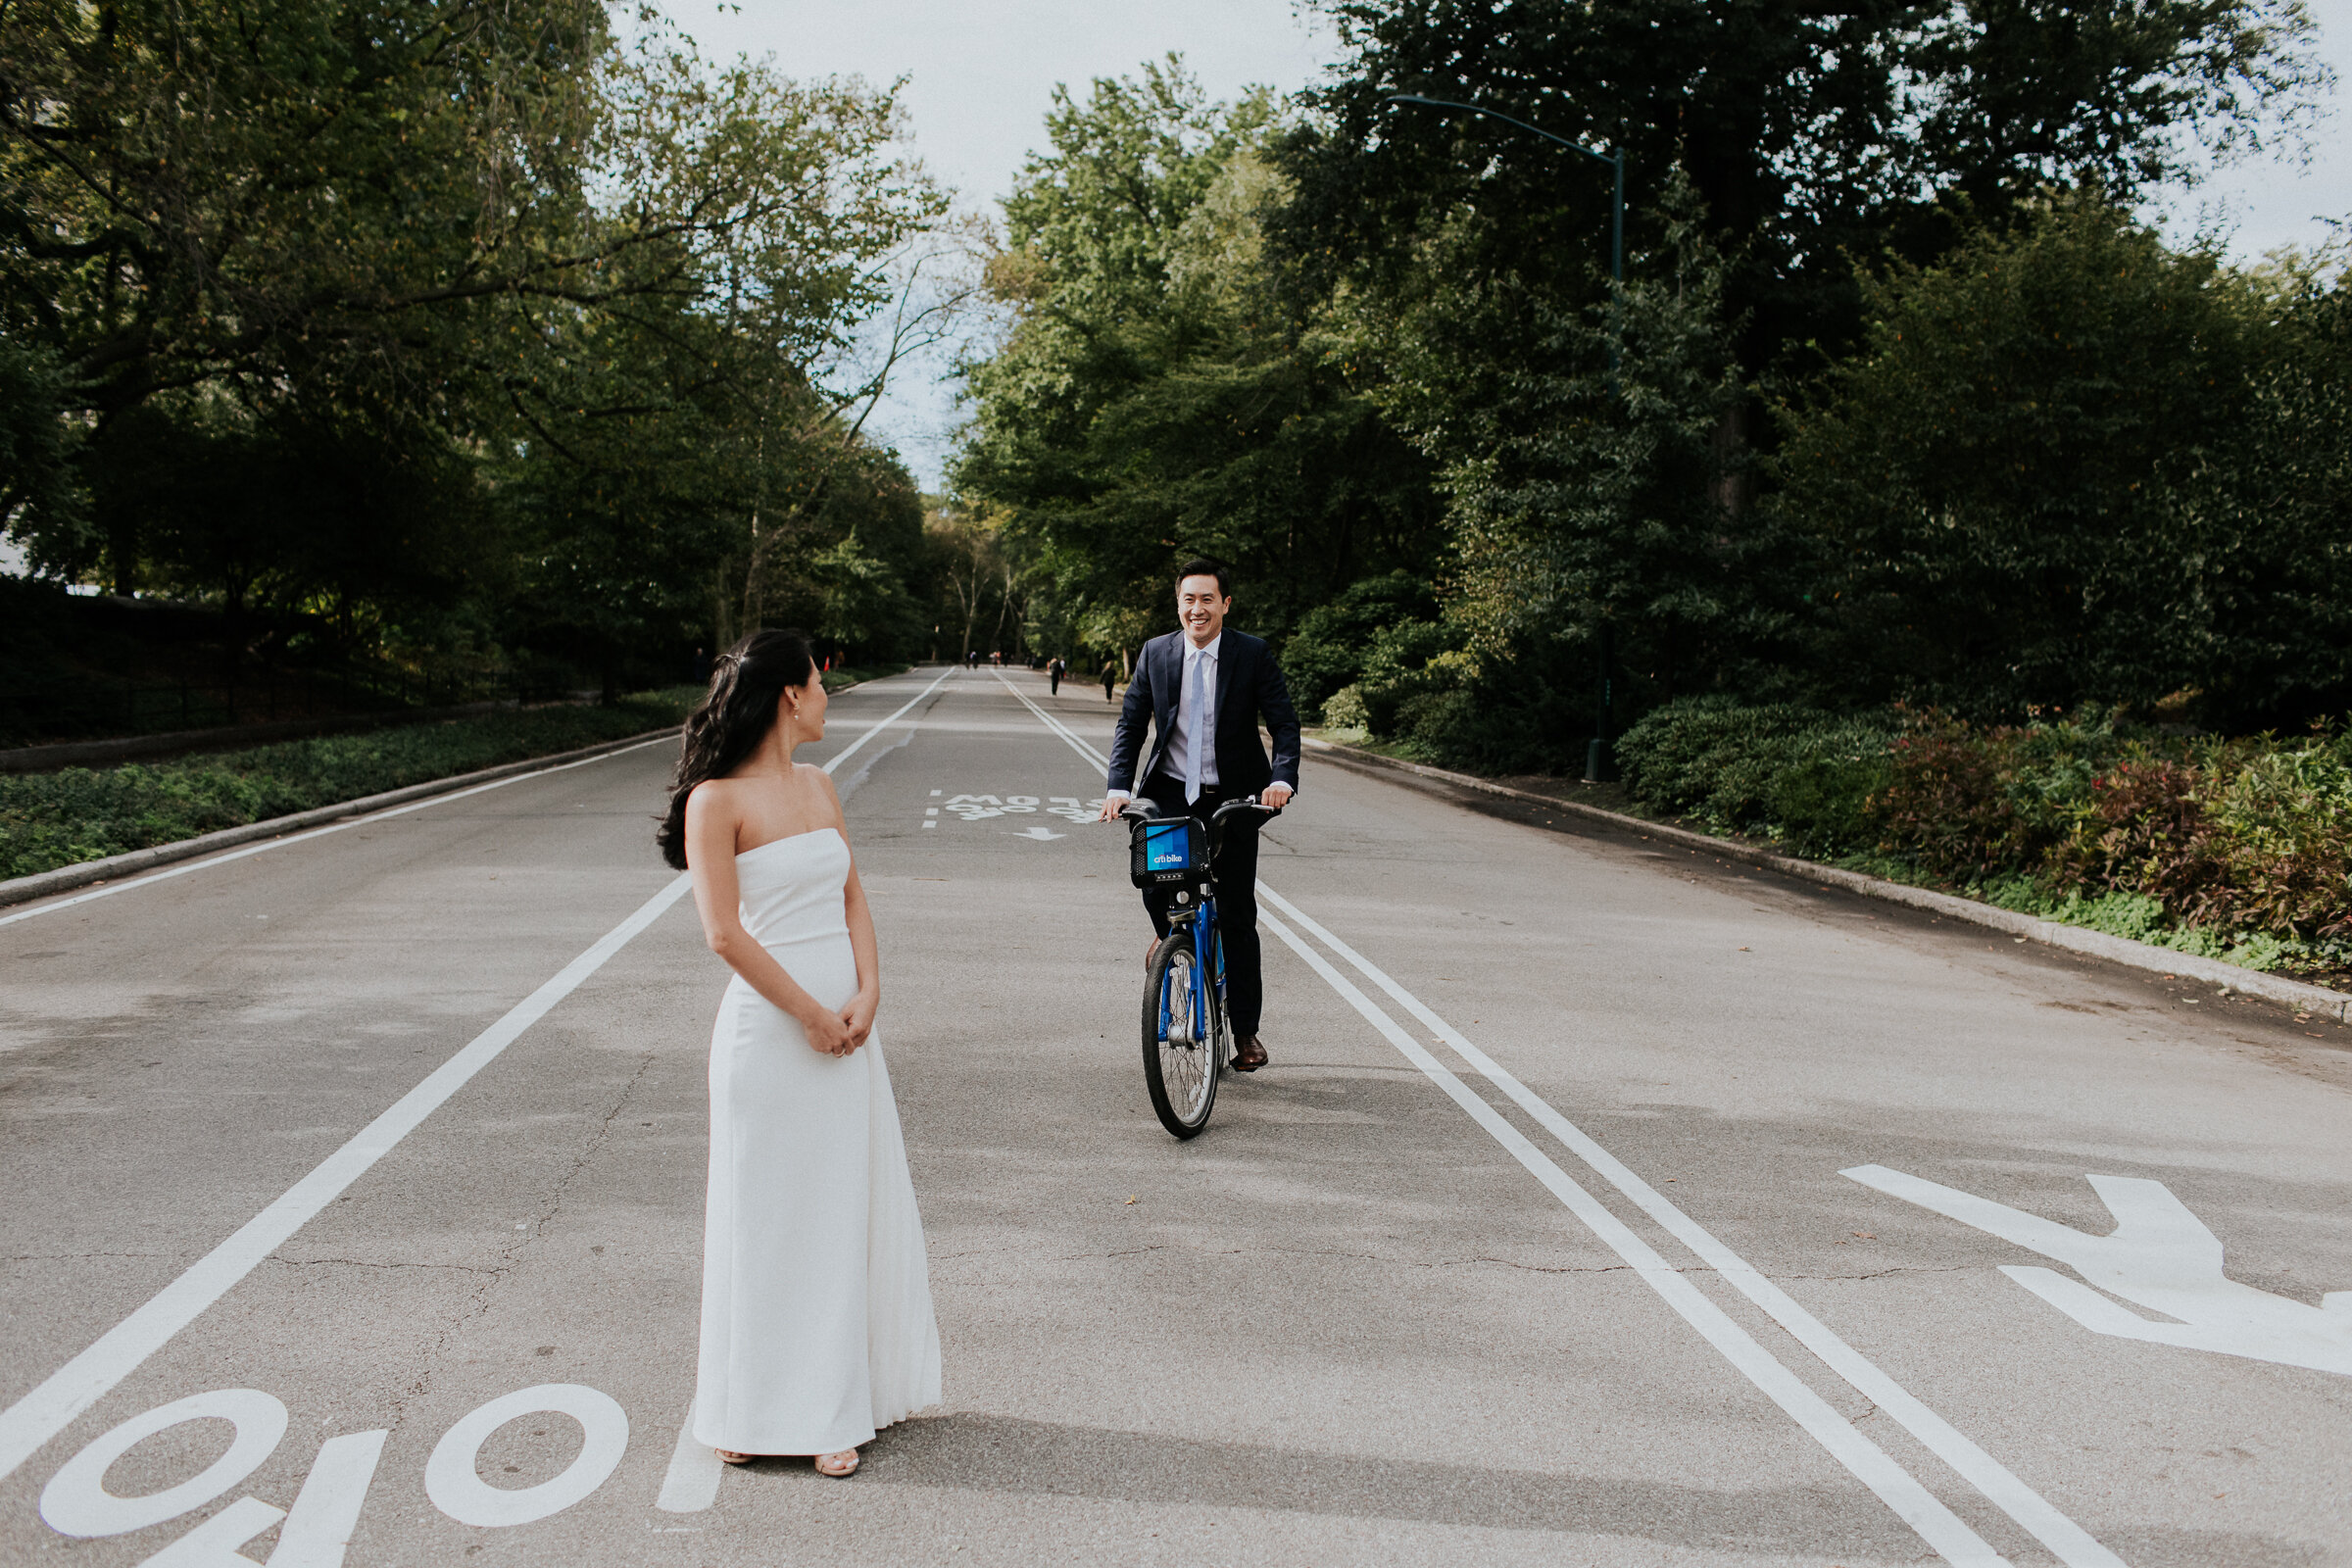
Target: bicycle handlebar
1149,811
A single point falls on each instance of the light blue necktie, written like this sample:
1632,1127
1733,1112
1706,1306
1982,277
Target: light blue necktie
1192,725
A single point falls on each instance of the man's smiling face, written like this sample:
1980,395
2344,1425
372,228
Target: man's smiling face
1202,608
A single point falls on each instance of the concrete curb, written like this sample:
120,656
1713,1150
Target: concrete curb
66,878
2296,993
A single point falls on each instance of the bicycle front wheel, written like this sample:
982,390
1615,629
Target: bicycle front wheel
1180,1033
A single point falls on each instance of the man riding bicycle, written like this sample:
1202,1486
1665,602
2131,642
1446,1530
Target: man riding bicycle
1202,690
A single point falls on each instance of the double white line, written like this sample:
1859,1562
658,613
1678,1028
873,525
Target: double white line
1941,1529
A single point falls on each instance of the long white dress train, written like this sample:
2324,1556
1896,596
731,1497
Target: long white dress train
817,1326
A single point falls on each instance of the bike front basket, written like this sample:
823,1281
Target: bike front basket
1168,850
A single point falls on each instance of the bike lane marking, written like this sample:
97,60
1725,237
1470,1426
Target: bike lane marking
83,1381
66,1393
2069,1541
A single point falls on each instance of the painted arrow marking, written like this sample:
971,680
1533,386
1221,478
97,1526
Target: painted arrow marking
2159,1256
1040,834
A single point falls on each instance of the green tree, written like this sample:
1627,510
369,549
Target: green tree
40,493
1767,146
592,274
2263,523
1597,501
1808,133
2017,483
1154,398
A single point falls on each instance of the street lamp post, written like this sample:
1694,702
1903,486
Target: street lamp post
1615,159
1597,761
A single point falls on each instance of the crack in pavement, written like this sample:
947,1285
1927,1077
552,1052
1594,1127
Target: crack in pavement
480,1301
360,1262
1692,1269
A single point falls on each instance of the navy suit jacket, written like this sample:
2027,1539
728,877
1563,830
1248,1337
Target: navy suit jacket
1249,685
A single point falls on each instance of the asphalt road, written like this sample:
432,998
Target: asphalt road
1532,1246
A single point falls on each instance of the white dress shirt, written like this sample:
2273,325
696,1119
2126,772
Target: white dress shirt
1196,729
1182,731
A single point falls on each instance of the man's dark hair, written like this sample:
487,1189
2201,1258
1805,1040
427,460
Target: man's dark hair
1202,566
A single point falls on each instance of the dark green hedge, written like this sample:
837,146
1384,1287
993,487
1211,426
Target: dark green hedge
80,814
2234,849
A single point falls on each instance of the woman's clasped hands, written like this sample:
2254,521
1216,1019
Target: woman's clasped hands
838,1033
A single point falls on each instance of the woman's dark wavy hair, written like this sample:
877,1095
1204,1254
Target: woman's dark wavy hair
747,684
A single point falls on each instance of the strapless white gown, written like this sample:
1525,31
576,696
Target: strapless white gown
817,1326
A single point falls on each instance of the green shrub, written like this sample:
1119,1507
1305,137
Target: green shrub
1334,641
2234,850
2285,821
80,814
1410,659
1344,709
1968,803
1790,772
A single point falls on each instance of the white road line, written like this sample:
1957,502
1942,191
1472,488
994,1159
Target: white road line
2068,1541
1076,741
691,1483
850,749
1912,1502
211,860
86,1379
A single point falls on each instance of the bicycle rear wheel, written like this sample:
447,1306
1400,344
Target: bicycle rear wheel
1180,1056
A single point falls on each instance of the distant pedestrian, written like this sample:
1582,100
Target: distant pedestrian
997,658
1053,668
1110,677
971,658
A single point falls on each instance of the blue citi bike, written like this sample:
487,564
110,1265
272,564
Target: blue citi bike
1187,1041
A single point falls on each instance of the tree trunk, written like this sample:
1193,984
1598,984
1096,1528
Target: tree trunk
1732,485
122,556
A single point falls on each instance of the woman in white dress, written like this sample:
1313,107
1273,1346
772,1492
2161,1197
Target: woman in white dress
818,1326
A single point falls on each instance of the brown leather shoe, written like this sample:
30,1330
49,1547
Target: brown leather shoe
1248,1055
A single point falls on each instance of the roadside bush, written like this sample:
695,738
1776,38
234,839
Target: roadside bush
1967,803
2239,849
1782,770
1406,660
1344,709
1333,642
80,814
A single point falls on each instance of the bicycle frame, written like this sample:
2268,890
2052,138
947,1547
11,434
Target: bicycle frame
1186,1028
1195,908
1208,962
